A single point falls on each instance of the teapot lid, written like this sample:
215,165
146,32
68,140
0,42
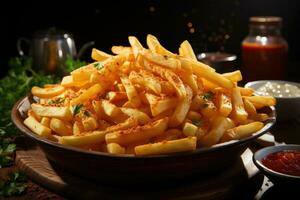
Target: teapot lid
52,33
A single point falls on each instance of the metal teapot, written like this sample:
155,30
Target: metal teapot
50,49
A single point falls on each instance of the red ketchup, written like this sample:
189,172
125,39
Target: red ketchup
286,162
264,61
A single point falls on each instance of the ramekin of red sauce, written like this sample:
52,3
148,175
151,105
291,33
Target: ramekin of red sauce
286,162
281,164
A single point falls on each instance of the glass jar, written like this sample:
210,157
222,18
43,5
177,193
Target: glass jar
264,50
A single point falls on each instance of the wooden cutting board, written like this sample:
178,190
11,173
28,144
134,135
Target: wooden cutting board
240,181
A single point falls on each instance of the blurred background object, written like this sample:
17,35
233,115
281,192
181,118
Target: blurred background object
264,50
222,62
50,49
209,25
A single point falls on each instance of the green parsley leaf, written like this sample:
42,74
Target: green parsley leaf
98,65
10,149
77,108
13,186
197,122
208,95
72,64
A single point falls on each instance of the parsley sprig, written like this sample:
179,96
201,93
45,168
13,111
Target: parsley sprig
14,185
16,84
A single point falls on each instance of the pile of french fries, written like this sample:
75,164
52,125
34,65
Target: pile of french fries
146,101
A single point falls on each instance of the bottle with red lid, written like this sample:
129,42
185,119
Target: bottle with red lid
264,50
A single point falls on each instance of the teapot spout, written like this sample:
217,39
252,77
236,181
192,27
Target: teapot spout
84,48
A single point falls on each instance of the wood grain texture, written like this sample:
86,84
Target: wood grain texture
224,185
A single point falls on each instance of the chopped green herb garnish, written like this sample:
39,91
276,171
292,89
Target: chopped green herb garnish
208,95
77,108
98,65
87,113
59,100
14,185
197,122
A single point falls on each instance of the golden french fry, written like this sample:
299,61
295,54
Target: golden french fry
189,79
167,88
262,100
47,92
115,148
172,78
219,125
246,91
121,49
37,127
89,124
138,133
45,121
187,51
68,81
160,104
207,72
61,127
140,116
131,92
110,109
83,73
34,115
63,113
249,107
77,128
224,104
238,111
99,55
161,60
241,131
156,47
136,46
90,93
208,109
165,147
189,129
80,140
147,80
234,76
181,109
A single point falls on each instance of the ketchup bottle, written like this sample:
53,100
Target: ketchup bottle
264,50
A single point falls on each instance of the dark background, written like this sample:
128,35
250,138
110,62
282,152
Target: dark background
209,25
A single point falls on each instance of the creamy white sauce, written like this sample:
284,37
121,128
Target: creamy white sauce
278,90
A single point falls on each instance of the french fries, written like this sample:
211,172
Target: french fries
36,127
146,101
47,92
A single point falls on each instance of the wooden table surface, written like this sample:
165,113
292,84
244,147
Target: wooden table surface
287,132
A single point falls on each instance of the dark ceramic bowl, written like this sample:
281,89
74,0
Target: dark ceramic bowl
284,105
276,177
129,169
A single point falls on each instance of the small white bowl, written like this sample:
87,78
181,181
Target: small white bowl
287,108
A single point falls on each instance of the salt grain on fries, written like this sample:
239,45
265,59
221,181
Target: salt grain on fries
146,101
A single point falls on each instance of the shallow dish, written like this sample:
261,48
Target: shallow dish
276,177
287,108
129,169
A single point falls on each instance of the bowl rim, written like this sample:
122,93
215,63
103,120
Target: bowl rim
16,119
252,83
263,152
